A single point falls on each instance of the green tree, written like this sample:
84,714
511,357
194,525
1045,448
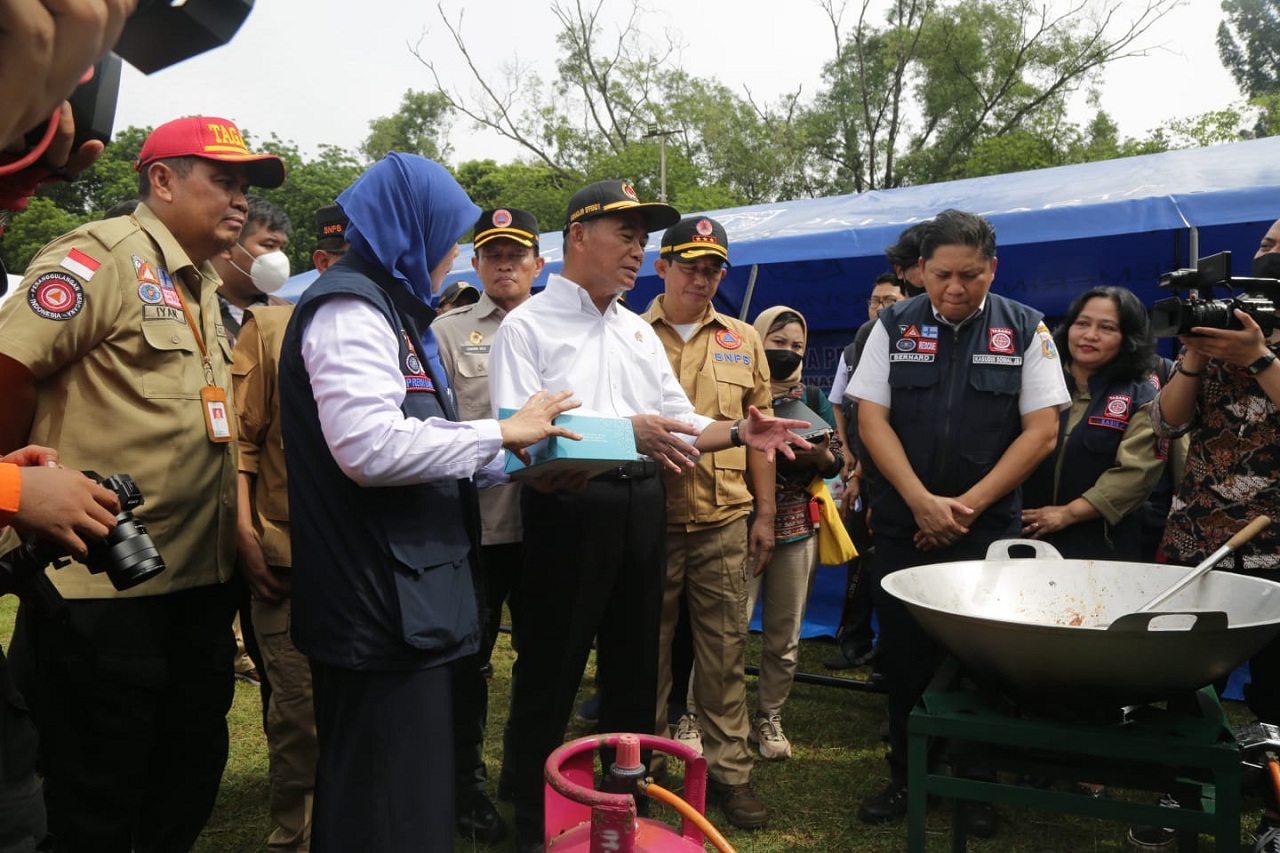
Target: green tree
27,232
1249,44
531,186
912,100
420,126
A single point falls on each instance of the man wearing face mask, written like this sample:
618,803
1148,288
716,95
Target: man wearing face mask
256,266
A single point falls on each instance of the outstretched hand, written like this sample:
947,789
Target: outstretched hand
769,434
534,422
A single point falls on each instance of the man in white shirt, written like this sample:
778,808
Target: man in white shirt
595,550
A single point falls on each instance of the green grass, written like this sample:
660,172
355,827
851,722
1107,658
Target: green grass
813,798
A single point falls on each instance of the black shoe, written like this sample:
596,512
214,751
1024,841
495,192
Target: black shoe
852,658
981,820
478,819
886,806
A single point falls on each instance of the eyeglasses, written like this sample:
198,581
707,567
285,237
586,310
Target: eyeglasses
882,301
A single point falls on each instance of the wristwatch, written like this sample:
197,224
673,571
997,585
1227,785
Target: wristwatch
735,438
1261,364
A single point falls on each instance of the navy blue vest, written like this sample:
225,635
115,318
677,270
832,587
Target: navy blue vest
383,576
1090,450
954,404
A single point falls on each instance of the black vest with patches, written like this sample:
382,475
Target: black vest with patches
954,403
383,576
1089,451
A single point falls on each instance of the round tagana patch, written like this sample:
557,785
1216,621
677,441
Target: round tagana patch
56,296
502,218
150,293
704,227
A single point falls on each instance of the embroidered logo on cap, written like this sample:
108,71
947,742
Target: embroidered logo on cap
704,227
502,218
629,191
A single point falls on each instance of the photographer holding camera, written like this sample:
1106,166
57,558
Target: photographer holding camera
1225,392
115,352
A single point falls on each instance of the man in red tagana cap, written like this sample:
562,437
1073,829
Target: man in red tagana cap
114,351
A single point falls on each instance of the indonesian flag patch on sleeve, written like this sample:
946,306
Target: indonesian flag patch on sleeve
79,264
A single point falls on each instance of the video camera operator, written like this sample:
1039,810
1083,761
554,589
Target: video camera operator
1225,392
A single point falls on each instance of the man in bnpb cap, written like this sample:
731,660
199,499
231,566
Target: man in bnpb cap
507,261
711,549
331,237
595,550
116,354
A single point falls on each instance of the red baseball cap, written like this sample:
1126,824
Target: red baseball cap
213,139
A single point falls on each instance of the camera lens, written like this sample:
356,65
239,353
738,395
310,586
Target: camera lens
128,555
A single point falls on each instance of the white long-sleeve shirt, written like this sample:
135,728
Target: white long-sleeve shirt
612,361
352,357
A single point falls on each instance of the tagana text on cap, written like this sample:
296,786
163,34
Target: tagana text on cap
611,197
695,236
509,222
211,138
331,224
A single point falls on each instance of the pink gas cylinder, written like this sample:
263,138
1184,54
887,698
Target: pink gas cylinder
580,819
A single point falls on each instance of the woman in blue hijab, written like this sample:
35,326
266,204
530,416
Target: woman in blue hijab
381,503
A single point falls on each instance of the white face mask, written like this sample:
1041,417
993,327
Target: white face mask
268,272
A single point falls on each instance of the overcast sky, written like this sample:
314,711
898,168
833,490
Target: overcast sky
317,71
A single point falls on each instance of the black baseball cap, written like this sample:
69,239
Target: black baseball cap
331,227
695,236
509,222
459,293
607,197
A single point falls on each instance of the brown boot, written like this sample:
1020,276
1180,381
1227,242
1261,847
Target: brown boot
740,805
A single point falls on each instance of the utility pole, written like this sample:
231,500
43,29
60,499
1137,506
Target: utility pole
658,131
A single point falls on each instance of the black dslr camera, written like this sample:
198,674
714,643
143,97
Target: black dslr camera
127,554
158,34
1177,315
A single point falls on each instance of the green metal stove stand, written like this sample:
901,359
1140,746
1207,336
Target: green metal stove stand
1190,754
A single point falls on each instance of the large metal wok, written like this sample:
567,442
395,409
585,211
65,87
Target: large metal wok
1068,630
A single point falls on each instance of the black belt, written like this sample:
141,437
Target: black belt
641,469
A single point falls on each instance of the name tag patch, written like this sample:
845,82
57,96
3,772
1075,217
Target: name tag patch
1003,360
732,358
162,312
911,356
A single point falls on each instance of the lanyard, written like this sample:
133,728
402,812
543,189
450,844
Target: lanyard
195,330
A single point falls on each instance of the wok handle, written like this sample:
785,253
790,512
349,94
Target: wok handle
1246,533
999,550
1140,622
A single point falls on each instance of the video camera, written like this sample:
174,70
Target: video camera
1177,315
158,34
127,554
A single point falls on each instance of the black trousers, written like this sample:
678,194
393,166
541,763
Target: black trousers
595,562
384,777
131,697
909,655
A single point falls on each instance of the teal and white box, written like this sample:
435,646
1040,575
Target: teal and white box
606,444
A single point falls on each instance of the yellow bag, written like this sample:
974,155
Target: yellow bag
834,545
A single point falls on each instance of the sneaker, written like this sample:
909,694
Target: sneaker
689,732
740,805
1268,837
886,806
766,732
250,675
1155,837
589,711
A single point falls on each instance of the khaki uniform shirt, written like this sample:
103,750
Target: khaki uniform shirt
255,369
99,323
723,371
464,336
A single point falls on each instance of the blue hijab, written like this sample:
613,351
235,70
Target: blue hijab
406,213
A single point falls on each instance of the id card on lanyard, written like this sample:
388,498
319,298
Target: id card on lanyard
213,399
